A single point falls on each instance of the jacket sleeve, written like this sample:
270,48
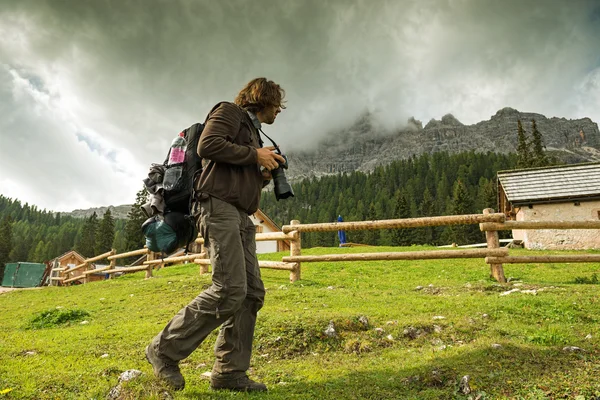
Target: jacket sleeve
217,139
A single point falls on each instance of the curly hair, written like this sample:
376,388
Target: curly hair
260,93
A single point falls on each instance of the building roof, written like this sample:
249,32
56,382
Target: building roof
551,184
263,218
70,253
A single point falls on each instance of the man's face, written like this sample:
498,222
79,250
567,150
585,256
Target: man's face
268,114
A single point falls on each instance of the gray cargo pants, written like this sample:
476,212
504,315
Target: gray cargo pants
233,300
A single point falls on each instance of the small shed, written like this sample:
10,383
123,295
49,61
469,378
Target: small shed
24,274
560,193
264,224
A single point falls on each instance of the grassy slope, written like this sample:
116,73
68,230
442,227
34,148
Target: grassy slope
294,357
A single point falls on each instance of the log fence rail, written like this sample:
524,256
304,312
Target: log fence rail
489,222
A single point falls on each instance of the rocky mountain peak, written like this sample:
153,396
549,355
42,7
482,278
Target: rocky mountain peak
450,120
364,147
414,124
505,112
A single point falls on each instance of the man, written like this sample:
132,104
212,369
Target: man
229,191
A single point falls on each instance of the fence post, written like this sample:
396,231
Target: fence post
493,242
295,250
113,262
149,257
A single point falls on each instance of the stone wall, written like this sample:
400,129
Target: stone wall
556,239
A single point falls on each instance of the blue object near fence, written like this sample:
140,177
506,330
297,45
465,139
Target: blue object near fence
341,234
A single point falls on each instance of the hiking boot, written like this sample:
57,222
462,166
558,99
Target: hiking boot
243,384
167,371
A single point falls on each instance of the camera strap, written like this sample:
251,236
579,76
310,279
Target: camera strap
272,141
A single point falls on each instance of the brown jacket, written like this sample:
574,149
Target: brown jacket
228,146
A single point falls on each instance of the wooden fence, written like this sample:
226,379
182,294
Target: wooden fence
489,222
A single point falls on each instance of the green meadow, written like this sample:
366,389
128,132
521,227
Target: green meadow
404,330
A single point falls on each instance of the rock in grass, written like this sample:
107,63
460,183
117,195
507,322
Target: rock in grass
510,291
496,346
330,331
364,321
104,355
573,349
588,337
463,386
114,393
129,375
379,331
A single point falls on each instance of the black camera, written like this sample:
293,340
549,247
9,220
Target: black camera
283,189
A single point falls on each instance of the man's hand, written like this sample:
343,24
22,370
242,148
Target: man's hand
268,159
266,174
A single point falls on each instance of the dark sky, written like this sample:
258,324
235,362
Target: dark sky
92,92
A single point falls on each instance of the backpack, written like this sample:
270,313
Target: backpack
171,223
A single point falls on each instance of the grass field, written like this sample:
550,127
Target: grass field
457,324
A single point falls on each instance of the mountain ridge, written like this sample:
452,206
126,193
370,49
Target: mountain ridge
362,147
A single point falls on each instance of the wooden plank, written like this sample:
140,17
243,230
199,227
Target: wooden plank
263,237
571,258
127,269
76,278
510,225
408,255
397,223
91,271
277,265
100,257
129,254
57,278
262,264
60,269
171,260
75,268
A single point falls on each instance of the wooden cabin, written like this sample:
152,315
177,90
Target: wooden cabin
560,193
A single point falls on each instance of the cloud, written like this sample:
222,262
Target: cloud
110,83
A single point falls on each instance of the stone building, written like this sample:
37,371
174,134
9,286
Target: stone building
562,193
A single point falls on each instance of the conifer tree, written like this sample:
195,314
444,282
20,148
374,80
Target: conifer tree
106,233
372,236
87,236
523,153
538,155
39,252
461,204
402,236
426,209
134,238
